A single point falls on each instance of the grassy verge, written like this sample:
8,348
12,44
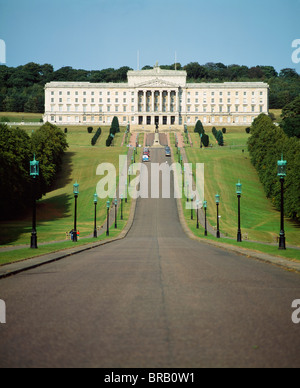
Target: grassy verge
290,253
55,212
224,166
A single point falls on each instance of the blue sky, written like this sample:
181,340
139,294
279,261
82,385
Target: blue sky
97,34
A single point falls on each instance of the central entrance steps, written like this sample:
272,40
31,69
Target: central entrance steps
152,128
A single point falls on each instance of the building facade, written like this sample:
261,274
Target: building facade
153,97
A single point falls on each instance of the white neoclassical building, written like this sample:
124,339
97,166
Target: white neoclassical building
153,97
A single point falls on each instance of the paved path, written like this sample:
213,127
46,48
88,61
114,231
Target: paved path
154,299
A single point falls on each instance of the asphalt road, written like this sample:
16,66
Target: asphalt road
154,299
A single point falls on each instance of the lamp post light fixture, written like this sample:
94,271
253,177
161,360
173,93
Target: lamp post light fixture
218,220
76,193
239,194
107,207
116,213
281,173
34,173
205,211
95,220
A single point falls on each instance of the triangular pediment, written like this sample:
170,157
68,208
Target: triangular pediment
157,83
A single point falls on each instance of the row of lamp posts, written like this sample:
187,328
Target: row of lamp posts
281,173
34,173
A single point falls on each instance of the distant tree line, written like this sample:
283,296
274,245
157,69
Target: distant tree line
17,149
22,87
266,145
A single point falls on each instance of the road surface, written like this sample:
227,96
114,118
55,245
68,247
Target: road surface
154,299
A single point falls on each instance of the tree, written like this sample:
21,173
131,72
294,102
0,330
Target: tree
15,186
115,127
266,145
205,140
291,118
220,138
195,71
199,128
49,143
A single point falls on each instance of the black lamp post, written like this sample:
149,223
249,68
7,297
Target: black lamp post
187,191
126,192
122,198
76,193
198,203
205,211
116,213
95,220
107,207
34,173
218,220
239,194
281,164
192,209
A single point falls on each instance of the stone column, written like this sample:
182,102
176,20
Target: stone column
145,100
153,99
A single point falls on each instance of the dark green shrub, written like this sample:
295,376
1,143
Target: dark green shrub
96,136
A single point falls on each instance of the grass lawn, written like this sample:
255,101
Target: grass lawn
18,117
55,212
290,253
224,166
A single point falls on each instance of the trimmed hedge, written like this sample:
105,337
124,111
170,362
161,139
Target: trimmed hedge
96,136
